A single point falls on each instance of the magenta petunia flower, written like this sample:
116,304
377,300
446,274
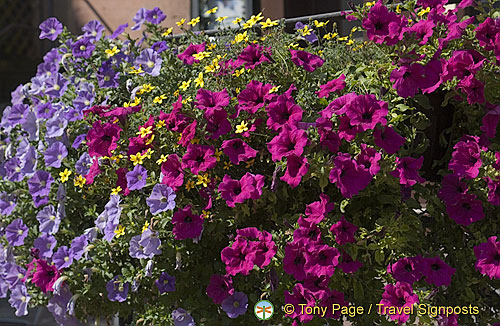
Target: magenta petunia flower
283,111
237,150
366,111
422,30
407,79
383,26
488,258
348,265
186,224
494,192
407,269
327,298
369,158
45,275
256,181
217,123
490,121
294,261
307,234
407,170
317,211
239,258
296,168
199,158
254,96
187,55
399,295
451,189
306,60
466,210
188,134
102,138
173,176
207,100
234,191
486,32
338,106
289,141
343,231
300,295
220,287
321,260
388,139
437,272
349,176
252,56
473,88
334,85
462,63
466,159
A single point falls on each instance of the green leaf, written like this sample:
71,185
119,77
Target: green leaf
379,256
359,293
423,101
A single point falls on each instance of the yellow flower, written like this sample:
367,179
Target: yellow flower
136,159
213,67
181,22
305,31
146,88
160,124
369,4
189,185
398,8
163,158
240,37
237,21
239,72
159,99
150,140
221,19
167,32
111,52
211,46
195,141
320,52
274,89
120,230
269,23
203,180
250,163
320,24
242,127
201,55
217,154
134,70
237,90
198,82
424,11
344,38
187,100
79,181
227,165
145,131
354,29
194,21
116,191
211,11
350,42
145,226
205,214
65,175
253,20
176,93
148,153
185,85
293,45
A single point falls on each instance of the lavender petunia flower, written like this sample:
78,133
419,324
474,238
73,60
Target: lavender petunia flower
17,113
145,245
78,246
235,305
61,193
148,270
93,30
139,19
19,299
118,31
56,126
117,291
45,244
14,170
107,77
50,29
62,258
7,203
136,179
44,110
154,15
55,154
30,125
160,46
16,232
49,220
56,86
161,199
182,318
150,62
13,274
109,219
78,141
83,164
82,48
165,283
39,184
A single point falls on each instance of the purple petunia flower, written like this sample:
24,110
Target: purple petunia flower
139,19
49,220
136,179
55,154
39,184
165,283
63,257
117,291
150,62
82,48
50,29
93,30
235,305
159,46
56,126
56,85
16,232
45,244
120,29
161,199
107,77
109,219
7,203
19,299
145,245
182,318
78,141
154,15
78,246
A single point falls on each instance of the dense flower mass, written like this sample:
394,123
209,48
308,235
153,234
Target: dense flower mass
306,168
